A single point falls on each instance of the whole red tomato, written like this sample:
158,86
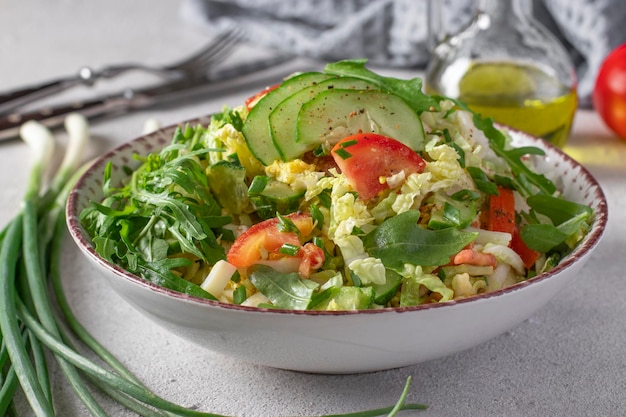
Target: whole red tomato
609,94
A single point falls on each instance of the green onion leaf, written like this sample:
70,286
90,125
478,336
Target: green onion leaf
286,225
349,143
342,153
465,195
289,249
239,295
317,216
258,184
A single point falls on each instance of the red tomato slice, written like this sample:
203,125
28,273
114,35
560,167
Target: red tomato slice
266,238
501,217
252,100
366,159
529,256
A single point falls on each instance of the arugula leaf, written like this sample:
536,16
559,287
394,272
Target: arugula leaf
160,274
483,183
409,90
569,220
399,240
542,237
228,116
513,157
557,209
546,237
166,207
286,291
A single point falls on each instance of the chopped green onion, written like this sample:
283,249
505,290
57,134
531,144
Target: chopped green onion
320,151
318,216
318,241
465,195
504,181
325,198
289,249
258,184
286,225
450,142
356,280
236,277
348,143
342,153
239,295
357,231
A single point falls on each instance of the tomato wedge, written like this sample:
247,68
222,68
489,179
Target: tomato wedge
368,159
529,256
501,217
266,238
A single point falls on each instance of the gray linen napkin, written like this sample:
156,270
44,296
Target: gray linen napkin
395,32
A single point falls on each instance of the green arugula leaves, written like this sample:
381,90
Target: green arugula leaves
166,208
409,90
286,291
399,240
569,220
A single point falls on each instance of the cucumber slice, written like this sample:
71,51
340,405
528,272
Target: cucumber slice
335,114
383,293
283,119
346,298
256,129
473,270
276,197
227,182
447,212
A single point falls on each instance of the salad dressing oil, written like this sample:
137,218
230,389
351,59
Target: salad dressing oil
521,96
505,64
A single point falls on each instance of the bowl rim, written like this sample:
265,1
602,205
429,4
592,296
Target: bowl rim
82,240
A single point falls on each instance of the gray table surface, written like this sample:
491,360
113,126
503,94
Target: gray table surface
566,360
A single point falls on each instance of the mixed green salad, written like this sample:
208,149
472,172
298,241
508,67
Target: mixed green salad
337,190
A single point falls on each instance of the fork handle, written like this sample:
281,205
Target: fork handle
54,117
13,99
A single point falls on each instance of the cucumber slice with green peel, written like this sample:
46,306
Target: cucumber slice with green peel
283,119
227,182
276,197
346,298
472,270
256,128
332,115
447,212
383,293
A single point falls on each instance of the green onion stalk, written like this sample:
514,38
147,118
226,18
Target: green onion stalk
37,324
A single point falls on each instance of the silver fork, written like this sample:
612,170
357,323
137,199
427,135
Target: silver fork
195,66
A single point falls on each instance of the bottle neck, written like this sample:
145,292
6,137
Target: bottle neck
502,11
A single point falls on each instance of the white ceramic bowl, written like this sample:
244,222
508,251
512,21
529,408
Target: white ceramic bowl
340,342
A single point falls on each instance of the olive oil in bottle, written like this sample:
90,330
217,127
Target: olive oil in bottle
506,65
521,96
